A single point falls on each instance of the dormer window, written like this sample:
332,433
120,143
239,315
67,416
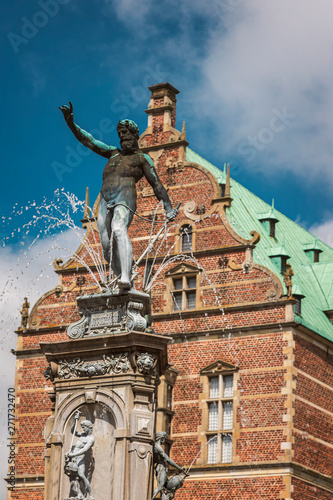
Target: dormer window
279,257
269,220
297,307
269,226
312,250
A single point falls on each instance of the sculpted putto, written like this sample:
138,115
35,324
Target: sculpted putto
125,167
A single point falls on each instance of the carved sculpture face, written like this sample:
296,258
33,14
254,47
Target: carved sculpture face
127,138
145,362
86,427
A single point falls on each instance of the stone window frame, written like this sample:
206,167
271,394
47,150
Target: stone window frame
184,292
186,233
183,272
179,232
220,369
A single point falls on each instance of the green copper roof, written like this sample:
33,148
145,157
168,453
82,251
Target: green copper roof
315,280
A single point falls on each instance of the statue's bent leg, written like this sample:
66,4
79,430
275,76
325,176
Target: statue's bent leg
104,228
162,477
81,474
122,217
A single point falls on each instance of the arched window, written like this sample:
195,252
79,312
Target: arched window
186,236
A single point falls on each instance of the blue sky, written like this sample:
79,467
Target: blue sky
256,91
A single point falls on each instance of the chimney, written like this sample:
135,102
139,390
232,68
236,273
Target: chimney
162,107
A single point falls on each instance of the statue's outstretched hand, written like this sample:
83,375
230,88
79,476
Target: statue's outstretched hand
172,213
68,112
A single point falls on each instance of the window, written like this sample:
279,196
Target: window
298,307
186,236
283,264
269,226
169,397
272,228
184,292
220,419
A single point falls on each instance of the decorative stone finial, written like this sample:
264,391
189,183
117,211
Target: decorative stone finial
227,184
183,134
86,205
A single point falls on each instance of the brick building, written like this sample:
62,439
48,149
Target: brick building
248,400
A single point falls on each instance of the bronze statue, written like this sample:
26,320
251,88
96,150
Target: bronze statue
75,466
25,313
125,167
287,278
165,486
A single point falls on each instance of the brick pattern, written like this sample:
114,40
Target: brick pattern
306,491
27,494
233,489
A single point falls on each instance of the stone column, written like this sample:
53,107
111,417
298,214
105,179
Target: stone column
110,375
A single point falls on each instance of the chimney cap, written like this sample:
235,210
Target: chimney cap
162,86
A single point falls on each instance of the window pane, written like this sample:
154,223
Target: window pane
190,296
227,415
177,297
191,282
228,386
212,450
226,449
169,397
213,417
178,283
214,387
168,424
187,239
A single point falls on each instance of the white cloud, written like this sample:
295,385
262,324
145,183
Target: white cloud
31,275
324,231
130,10
266,56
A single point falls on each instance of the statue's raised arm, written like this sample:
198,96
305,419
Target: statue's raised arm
84,137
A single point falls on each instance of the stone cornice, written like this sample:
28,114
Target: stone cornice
262,468
225,307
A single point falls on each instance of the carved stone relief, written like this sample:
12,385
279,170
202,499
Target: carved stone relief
113,364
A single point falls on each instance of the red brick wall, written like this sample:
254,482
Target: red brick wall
233,489
313,420
306,491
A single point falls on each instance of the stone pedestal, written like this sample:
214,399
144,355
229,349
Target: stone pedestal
110,312
111,376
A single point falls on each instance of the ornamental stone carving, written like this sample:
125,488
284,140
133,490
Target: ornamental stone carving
146,363
110,312
113,364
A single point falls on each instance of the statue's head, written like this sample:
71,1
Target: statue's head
128,133
86,426
160,436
